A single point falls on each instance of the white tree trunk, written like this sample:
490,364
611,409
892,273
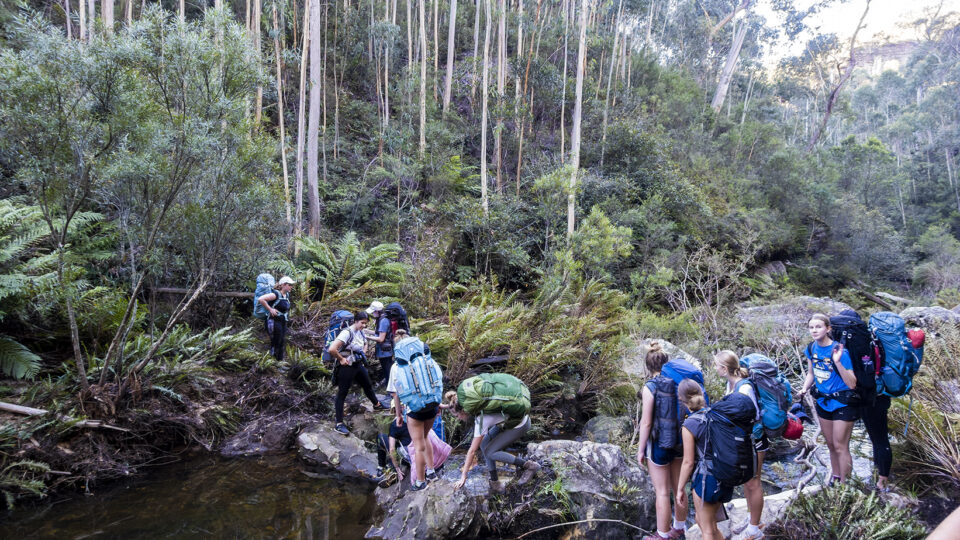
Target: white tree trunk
91,18
313,129
476,41
280,113
721,94
301,116
66,16
577,115
563,99
483,117
451,35
423,78
106,11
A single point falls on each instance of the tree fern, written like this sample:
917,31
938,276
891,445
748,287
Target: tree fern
16,360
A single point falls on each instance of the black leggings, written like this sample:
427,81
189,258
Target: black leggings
277,331
345,377
385,364
875,420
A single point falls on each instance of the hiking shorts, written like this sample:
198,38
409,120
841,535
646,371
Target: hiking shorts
662,456
845,414
429,412
709,490
762,443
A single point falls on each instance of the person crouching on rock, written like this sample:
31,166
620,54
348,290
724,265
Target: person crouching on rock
708,493
347,351
387,446
491,437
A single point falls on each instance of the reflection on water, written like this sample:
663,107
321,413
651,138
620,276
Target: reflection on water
207,497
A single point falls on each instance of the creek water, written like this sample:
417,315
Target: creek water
206,497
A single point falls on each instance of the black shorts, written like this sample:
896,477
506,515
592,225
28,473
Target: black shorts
429,412
845,414
761,443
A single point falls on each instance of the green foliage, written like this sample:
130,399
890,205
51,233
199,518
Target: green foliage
16,360
846,512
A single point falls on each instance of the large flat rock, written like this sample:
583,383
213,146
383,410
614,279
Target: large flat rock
321,446
791,315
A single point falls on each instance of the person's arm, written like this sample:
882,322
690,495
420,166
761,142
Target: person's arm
848,376
334,351
808,380
686,468
266,299
392,443
468,463
378,336
646,422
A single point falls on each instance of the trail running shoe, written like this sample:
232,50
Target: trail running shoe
677,534
431,476
342,429
417,486
379,406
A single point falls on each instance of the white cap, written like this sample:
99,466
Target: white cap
374,307
286,279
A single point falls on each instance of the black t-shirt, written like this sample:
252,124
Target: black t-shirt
697,425
401,434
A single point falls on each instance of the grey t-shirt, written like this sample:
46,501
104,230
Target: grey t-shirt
696,424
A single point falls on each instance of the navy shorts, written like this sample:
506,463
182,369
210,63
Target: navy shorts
761,443
846,414
709,490
662,456
428,413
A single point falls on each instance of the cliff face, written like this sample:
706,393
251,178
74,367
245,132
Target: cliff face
878,57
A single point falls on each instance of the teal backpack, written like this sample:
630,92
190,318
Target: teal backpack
774,395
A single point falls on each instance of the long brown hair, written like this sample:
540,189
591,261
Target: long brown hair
691,395
655,358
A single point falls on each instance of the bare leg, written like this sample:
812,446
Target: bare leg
680,512
826,428
707,518
753,490
841,437
419,443
660,474
428,448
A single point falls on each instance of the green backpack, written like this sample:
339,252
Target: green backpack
495,393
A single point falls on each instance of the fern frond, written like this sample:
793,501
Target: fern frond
16,360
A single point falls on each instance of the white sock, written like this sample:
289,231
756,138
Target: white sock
430,471
751,530
682,525
663,534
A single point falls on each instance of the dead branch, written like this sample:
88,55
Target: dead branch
30,411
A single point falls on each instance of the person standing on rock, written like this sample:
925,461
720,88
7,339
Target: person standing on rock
728,366
829,368
663,463
708,493
347,350
276,304
493,430
383,337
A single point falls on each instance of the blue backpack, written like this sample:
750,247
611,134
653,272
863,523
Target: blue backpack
774,395
338,321
669,413
265,285
419,381
901,360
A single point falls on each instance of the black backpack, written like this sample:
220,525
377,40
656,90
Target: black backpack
852,331
398,317
732,457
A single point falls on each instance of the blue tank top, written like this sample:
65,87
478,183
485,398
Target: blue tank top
826,376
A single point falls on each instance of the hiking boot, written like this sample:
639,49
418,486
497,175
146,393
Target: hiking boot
678,534
497,487
389,478
379,406
342,429
530,468
380,472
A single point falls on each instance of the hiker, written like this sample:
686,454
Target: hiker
728,366
830,373
416,384
383,337
724,427
387,445
497,423
350,365
276,304
663,463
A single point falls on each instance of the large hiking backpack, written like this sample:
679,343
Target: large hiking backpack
397,316
495,393
265,285
419,381
774,395
669,413
901,360
850,330
339,320
732,457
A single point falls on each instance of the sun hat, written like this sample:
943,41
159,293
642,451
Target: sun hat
286,279
375,307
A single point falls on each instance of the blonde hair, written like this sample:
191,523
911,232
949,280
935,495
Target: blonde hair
451,401
822,318
691,395
655,358
730,362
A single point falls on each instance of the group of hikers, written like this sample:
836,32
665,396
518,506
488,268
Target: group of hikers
852,369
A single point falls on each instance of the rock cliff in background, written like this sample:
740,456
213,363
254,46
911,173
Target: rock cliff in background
633,360
791,314
930,317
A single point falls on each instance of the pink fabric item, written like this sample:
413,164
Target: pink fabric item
441,451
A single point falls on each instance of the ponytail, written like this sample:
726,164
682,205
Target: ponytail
691,395
728,359
655,358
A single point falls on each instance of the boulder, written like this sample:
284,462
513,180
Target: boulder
597,482
931,317
322,446
608,429
633,361
791,315
265,436
739,516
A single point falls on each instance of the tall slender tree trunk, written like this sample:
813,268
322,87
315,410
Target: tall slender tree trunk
501,88
485,90
91,18
476,41
316,79
423,79
255,34
451,40
181,11
951,176
301,116
568,4
409,39
732,57
106,11
129,12
66,17
82,15
606,100
280,115
577,115
436,48
323,93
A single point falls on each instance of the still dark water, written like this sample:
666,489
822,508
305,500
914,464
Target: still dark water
206,497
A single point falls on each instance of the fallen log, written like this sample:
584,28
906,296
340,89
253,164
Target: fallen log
30,411
224,294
